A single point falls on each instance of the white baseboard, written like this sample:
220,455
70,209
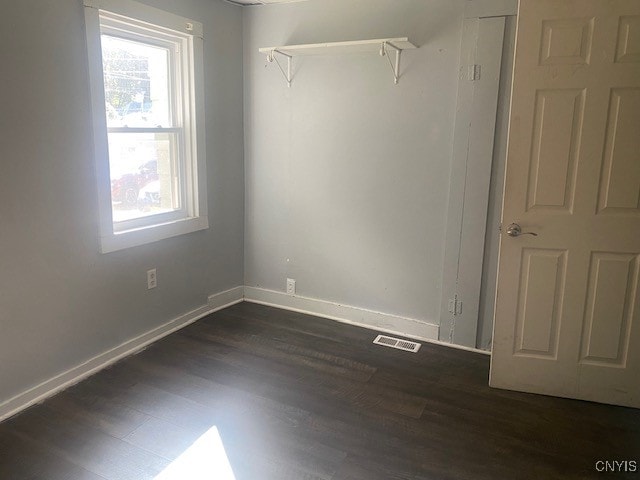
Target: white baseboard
360,317
221,300
460,347
54,385
379,322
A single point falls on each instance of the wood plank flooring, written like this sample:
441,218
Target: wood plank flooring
295,397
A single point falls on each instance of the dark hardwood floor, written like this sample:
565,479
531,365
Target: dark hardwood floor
294,397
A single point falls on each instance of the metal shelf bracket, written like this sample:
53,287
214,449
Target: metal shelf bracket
395,65
271,58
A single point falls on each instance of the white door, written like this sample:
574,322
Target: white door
568,303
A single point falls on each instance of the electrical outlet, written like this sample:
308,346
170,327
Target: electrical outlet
152,279
291,286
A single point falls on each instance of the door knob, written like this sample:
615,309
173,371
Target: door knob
515,230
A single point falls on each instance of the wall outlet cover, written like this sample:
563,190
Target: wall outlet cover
152,279
291,286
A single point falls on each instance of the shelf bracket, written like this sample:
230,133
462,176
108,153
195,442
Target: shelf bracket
271,57
395,65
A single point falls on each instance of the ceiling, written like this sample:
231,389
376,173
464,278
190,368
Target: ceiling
261,2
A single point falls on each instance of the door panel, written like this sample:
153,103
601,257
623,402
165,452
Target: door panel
609,309
540,302
621,164
567,317
629,40
554,153
566,41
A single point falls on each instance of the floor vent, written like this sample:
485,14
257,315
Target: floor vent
398,343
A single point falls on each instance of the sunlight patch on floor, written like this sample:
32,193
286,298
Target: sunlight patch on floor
204,459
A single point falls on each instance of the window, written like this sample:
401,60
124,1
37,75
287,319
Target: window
146,69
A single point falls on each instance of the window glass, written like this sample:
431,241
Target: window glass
144,174
136,83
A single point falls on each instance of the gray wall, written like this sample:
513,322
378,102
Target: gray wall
347,174
61,302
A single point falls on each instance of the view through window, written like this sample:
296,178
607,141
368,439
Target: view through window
143,138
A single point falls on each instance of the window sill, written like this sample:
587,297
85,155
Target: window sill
153,233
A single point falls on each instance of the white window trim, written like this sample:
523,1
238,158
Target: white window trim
111,241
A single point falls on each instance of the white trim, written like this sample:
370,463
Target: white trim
460,347
490,8
155,16
226,298
360,317
470,177
152,233
72,376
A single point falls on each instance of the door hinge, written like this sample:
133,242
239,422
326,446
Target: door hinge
474,72
455,306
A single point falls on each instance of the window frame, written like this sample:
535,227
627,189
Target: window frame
192,215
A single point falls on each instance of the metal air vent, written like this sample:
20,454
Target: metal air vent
397,343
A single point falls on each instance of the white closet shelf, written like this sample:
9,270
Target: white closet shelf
357,46
377,45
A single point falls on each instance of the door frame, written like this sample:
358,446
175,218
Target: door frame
470,177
